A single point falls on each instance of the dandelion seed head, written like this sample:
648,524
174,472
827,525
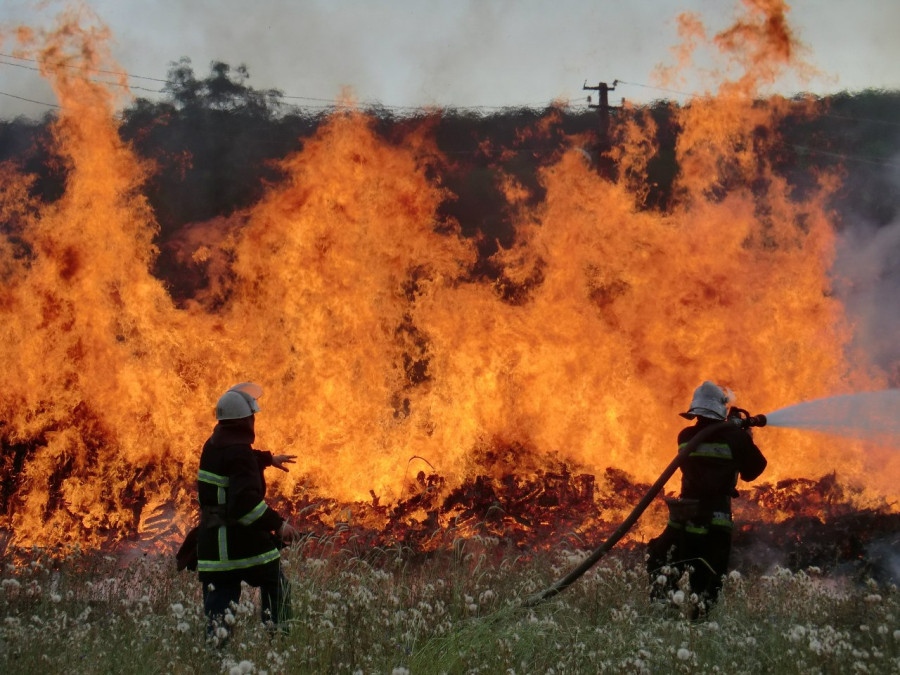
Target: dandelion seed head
678,597
683,654
797,633
182,627
177,609
400,671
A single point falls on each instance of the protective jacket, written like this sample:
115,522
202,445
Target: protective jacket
236,525
710,473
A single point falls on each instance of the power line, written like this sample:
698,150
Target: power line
88,68
106,82
29,100
823,114
838,155
646,86
329,101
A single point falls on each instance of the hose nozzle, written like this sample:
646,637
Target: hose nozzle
745,420
754,421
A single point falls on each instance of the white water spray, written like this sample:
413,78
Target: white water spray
873,415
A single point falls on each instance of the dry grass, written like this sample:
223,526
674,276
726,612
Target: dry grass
456,611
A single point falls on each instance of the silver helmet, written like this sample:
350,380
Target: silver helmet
239,402
709,401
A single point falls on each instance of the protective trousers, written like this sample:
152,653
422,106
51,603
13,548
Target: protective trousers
275,596
703,551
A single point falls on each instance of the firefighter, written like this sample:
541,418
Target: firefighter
697,538
239,534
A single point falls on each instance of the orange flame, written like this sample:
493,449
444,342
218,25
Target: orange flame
344,294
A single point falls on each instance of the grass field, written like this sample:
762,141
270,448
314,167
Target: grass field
456,611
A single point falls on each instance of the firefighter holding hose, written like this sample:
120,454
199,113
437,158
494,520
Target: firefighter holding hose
697,538
239,534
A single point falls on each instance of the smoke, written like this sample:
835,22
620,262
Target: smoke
884,555
867,280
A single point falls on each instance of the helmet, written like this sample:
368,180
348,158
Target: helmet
709,401
239,402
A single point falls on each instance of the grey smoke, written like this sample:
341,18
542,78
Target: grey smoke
867,280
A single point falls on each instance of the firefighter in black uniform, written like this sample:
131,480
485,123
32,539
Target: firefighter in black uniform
697,537
239,533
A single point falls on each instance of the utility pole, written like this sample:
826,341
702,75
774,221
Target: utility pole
604,164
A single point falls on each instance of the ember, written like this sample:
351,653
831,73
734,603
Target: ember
540,392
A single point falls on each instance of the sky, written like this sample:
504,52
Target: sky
461,53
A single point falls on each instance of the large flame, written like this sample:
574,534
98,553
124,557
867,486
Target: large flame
352,302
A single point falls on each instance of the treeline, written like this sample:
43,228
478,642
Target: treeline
214,141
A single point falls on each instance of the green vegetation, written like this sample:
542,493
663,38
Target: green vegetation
455,611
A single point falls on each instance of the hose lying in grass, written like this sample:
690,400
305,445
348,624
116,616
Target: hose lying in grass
562,584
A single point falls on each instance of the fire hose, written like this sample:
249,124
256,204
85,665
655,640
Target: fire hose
736,416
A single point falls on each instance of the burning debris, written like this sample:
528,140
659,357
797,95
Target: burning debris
537,374
795,523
